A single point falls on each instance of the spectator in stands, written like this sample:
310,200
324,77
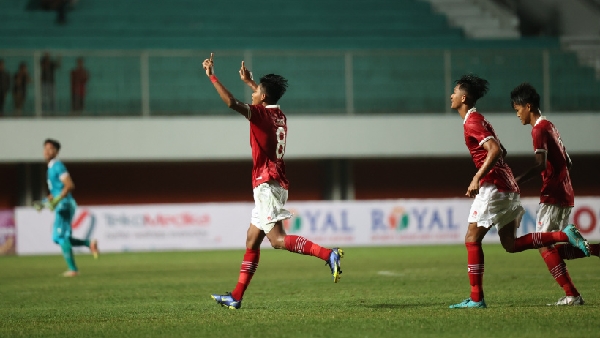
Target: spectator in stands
20,83
79,79
4,86
61,13
60,6
49,67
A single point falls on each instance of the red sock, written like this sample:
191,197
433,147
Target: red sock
558,269
475,269
249,266
538,240
567,251
303,246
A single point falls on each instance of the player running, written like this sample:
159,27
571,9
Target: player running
497,200
63,204
557,198
268,132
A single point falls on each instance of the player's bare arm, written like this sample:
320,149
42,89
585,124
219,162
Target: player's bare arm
226,96
504,152
246,76
494,152
69,186
540,165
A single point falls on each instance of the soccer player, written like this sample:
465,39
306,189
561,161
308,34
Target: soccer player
557,197
268,132
497,200
63,204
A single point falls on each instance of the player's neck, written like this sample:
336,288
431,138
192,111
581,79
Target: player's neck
463,110
534,118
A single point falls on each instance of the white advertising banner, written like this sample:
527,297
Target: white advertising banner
221,226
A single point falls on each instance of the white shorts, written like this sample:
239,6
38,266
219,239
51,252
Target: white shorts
492,207
552,217
269,199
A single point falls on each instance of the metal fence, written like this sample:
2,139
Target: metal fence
172,82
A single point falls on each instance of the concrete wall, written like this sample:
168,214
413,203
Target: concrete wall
206,139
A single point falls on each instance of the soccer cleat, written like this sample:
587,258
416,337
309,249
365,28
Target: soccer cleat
468,303
94,248
227,301
576,240
568,300
334,263
70,273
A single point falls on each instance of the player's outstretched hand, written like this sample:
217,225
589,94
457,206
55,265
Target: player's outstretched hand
38,205
209,66
245,74
473,189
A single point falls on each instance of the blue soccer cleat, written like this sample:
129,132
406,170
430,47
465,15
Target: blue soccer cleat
468,303
227,301
334,263
576,240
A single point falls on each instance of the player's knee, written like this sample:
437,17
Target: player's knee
471,237
509,247
251,243
278,242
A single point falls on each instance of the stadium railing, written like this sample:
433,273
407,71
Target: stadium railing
148,83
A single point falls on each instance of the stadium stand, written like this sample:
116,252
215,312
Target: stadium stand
399,54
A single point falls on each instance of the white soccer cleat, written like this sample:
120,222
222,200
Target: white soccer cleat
569,300
70,273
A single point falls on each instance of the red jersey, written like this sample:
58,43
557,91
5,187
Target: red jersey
477,131
556,187
268,133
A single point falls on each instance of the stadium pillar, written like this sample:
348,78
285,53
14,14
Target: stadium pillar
145,83
37,83
546,76
349,79
31,179
447,78
339,184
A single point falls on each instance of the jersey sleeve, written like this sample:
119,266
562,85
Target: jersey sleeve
257,114
540,139
478,131
60,170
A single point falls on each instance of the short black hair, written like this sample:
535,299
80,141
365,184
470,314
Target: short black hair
474,86
53,142
523,94
274,86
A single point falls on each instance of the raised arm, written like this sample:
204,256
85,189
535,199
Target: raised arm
225,95
246,76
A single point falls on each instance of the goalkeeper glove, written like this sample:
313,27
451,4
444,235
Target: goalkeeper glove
53,203
38,206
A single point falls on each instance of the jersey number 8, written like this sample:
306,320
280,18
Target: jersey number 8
280,142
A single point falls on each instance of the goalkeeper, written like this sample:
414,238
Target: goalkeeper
62,203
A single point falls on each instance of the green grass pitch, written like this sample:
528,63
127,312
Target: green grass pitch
384,292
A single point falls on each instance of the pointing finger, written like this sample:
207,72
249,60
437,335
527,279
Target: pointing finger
211,57
243,66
